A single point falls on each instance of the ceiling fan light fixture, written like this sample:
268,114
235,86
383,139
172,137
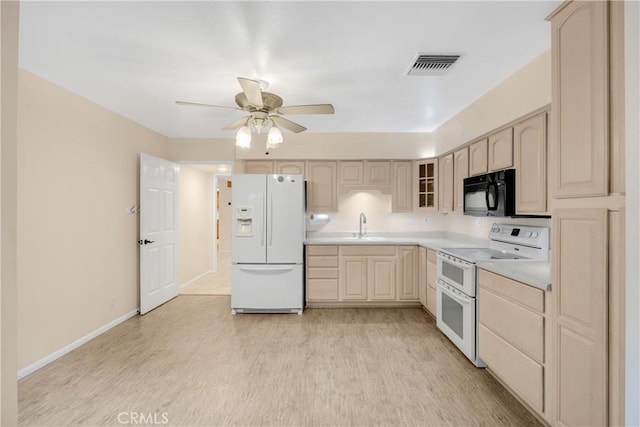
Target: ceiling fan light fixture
243,137
260,125
274,137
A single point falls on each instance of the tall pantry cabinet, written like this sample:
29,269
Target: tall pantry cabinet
587,204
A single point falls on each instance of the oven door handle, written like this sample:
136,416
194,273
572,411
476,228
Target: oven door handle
454,297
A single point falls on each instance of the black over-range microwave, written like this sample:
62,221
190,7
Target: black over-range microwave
491,194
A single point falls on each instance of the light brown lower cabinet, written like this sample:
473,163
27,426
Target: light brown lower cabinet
322,273
432,271
422,276
362,275
513,335
580,315
407,280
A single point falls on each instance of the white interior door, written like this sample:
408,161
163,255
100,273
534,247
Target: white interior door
158,231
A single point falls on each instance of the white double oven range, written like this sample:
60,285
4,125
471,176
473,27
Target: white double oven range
457,284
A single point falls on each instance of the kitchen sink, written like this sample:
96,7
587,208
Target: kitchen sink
365,238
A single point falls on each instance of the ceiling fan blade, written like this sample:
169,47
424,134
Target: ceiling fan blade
288,124
237,123
307,109
252,91
195,104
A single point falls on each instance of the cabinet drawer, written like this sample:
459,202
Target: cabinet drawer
432,256
322,250
519,326
367,250
518,371
322,273
519,292
322,261
322,289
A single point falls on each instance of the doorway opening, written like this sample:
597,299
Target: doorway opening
204,266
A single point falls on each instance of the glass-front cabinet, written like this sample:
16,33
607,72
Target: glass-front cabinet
427,184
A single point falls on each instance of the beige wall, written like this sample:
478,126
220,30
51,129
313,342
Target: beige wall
77,244
224,215
193,149
526,90
9,12
344,146
377,208
196,224
308,146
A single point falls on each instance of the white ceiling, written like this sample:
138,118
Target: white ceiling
137,58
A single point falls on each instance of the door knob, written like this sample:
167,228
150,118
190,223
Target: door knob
145,242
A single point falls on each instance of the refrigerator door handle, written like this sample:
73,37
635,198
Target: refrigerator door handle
270,219
267,268
262,230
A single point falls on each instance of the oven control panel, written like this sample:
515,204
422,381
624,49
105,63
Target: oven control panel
525,235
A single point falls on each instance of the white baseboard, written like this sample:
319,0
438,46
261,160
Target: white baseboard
77,343
194,280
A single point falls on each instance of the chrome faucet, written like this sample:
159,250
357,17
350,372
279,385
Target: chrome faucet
363,222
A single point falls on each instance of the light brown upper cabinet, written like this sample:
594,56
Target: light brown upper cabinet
377,173
402,190
461,171
364,174
426,181
351,172
445,189
500,146
321,186
530,158
258,166
290,167
478,157
580,98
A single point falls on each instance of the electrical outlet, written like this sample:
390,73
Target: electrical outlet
478,222
426,220
112,303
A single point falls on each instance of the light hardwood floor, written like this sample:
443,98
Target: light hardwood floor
194,363
218,283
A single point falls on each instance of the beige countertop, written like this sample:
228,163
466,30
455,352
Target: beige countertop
532,273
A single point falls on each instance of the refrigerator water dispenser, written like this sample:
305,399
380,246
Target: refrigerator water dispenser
244,221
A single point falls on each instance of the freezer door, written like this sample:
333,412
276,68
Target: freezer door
248,201
266,287
285,219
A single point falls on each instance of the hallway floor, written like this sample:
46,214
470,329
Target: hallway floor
189,362
218,283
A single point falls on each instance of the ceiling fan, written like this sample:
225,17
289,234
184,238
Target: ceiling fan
265,113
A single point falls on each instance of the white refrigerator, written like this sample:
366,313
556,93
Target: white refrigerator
268,217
